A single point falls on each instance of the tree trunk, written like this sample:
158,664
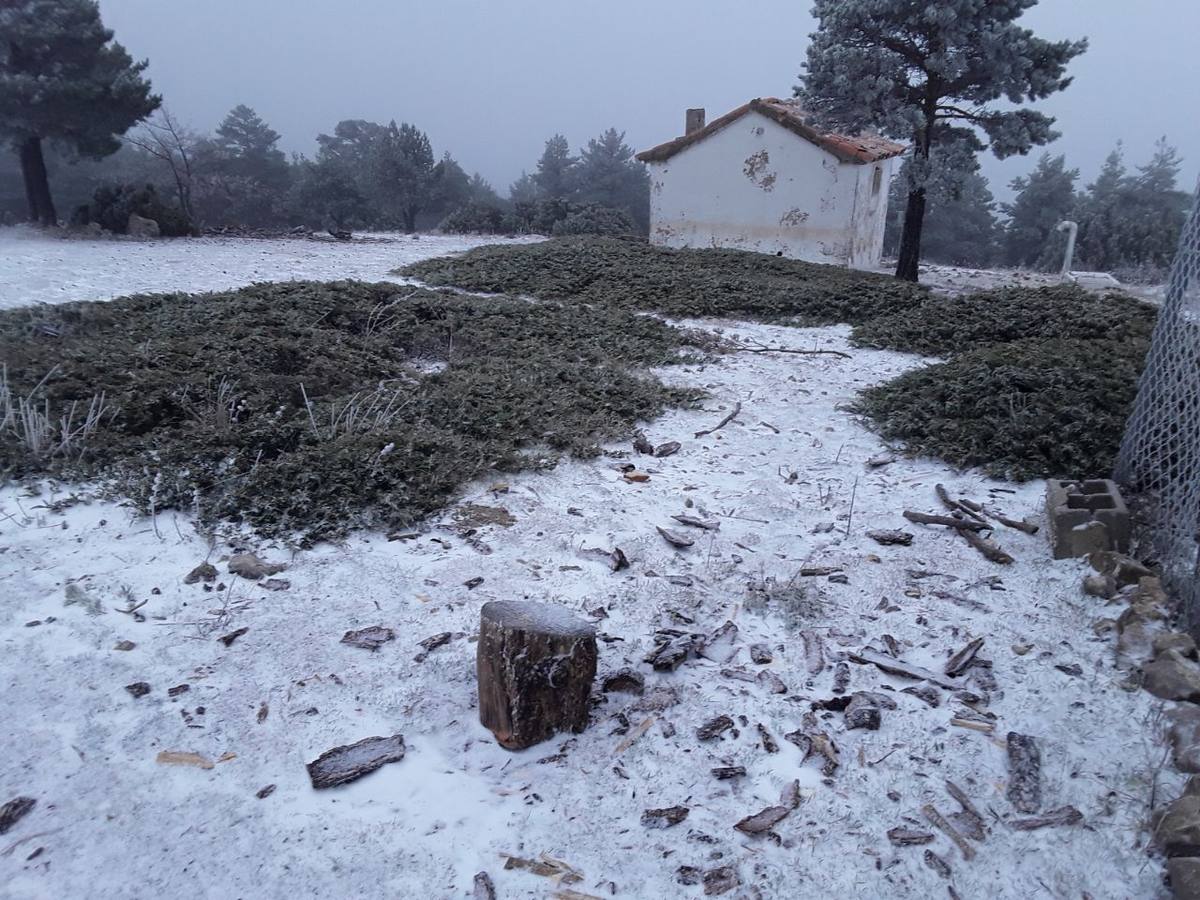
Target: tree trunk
410,220
535,664
907,267
37,184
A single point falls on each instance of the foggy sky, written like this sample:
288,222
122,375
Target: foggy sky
490,80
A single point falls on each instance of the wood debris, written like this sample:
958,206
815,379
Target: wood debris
634,735
772,682
893,666
697,522
228,639
635,476
900,836
962,660
761,654
921,518
1064,815
724,773
670,448
546,866
814,652
371,638
483,888
14,810
763,821
737,408
889,537
675,538
342,765
939,822
664,818
938,864
183,758
1024,773
714,728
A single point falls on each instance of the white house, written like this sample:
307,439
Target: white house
762,178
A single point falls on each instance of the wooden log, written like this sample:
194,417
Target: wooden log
949,521
535,664
1024,773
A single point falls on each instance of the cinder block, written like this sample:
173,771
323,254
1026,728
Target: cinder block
1086,516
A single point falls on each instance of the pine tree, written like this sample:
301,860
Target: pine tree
555,169
402,168
1044,198
1100,216
928,72
608,174
960,218
246,175
63,79
1157,211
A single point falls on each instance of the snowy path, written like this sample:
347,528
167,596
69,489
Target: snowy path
113,822
35,268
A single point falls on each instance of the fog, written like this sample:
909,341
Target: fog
490,81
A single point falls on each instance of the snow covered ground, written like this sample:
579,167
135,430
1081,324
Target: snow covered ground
38,268
113,821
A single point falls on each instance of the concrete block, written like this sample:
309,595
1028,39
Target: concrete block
1086,517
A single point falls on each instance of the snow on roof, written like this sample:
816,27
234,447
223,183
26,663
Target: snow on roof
866,148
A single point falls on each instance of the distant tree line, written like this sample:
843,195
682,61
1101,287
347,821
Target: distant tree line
1129,222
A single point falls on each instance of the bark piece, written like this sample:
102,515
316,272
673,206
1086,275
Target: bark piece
697,522
892,666
714,728
962,660
203,572
724,773
720,881
670,448
768,742
675,538
763,821
936,863
968,807
721,646
737,408
927,693
664,818
901,836
890,537
371,638
342,765
183,758
228,639
761,654
535,664
15,810
771,682
863,713
138,689
1064,815
641,445
921,518
841,678
625,681
814,652
1024,773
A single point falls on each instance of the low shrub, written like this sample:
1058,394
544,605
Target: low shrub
309,407
112,205
475,218
592,218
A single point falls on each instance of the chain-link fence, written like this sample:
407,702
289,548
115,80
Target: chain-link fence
1160,455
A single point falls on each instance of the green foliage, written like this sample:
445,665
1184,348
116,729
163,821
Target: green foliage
1044,198
607,175
305,407
323,194
553,177
63,78
245,175
931,73
475,218
594,218
631,274
112,205
1030,409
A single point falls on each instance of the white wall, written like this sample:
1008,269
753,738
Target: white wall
754,185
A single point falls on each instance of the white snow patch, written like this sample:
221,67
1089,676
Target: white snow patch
115,823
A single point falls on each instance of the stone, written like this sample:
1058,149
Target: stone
1184,734
139,226
664,818
371,638
1172,676
625,681
1102,586
1135,645
1184,874
1125,570
250,566
1182,643
203,572
1177,830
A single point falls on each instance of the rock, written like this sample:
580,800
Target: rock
664,818
862,712
276,584
1172,676
625,681
889,537
1184,735
228,639
668,449
15,810
138,689
1124,570
139,226
484,889
1175,640
1135,643
250,566
1103,586
761,654
124,646
342,765
763,821
1184,874
203,572
771,681
1178,828
371,638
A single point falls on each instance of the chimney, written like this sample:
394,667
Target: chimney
695,120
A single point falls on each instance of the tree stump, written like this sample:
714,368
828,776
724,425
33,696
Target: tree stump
535,663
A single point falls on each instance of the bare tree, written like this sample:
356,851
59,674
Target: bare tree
165,139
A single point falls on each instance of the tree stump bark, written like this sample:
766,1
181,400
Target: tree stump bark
535,663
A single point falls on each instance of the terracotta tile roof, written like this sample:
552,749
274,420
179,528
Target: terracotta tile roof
865,148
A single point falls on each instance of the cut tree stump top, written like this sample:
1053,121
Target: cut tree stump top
542,618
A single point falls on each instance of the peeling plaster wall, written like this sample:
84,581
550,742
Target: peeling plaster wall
754,185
